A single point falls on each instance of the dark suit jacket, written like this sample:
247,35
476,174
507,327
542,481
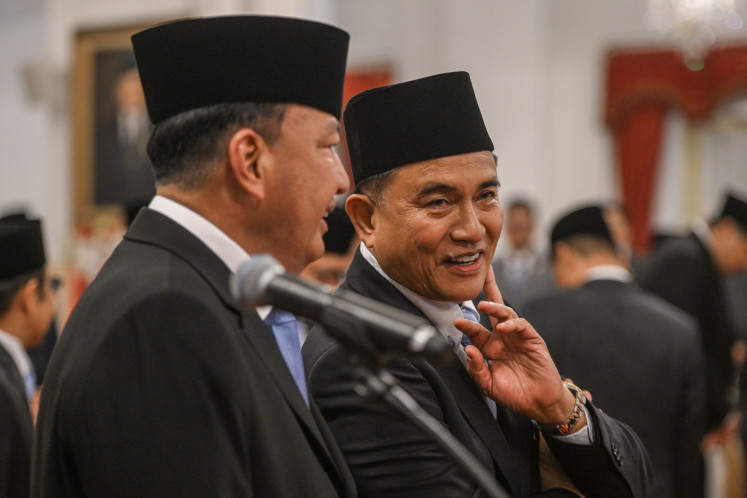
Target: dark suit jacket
15,430
641,359
390,457
161,386
683,273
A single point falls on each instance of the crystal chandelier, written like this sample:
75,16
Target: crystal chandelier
695,24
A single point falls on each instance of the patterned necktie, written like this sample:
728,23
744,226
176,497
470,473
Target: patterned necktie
470,314
285,328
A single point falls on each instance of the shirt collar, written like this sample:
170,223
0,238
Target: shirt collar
17,352
232,254
608,272
441,313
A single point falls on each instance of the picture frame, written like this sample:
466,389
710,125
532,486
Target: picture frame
111,171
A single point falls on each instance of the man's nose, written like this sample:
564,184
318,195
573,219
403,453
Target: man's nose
468,226
343,181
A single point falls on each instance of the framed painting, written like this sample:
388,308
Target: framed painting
112,171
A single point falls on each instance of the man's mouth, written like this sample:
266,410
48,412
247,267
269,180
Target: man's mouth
465,260
326,214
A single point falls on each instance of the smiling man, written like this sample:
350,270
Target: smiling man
427,211
161,385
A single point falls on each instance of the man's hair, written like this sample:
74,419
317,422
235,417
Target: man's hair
183,147
586,245
375,187
10,287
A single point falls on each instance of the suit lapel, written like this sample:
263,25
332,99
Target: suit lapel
151,227
364,279
8,366
476,413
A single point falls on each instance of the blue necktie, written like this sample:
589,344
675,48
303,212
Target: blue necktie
470,314
285,328
30,384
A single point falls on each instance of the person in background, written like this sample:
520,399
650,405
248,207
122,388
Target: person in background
427,212
123,172
618,222
26,310
736,293
638,354
161,384
340,242
521,273
688,272
39,354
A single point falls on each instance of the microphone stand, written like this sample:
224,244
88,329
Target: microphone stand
374,383
381,385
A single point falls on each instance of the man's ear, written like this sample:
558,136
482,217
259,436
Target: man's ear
361,211
565,266
28,296
245,151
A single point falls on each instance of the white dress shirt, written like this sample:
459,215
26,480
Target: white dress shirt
609,272
17,352
221,244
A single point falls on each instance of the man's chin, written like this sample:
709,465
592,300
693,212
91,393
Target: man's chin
313,255
459,294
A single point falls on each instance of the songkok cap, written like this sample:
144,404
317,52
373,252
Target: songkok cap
735,208
415,121
21,246
194,63
587,220
340,233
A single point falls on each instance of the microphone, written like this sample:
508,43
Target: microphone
360,323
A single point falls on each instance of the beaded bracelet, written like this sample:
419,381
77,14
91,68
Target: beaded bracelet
565,427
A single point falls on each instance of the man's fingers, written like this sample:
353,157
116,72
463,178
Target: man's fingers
497,310
512,325
492,293
477,368
477,334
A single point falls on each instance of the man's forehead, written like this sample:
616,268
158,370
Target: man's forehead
298,113
459,165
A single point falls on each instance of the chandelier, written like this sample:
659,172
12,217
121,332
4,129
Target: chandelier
696,25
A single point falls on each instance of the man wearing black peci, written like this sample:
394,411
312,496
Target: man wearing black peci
427,212
161,385
623,344
689,272
26,311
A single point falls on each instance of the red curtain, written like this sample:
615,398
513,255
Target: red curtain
637,146
641,86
